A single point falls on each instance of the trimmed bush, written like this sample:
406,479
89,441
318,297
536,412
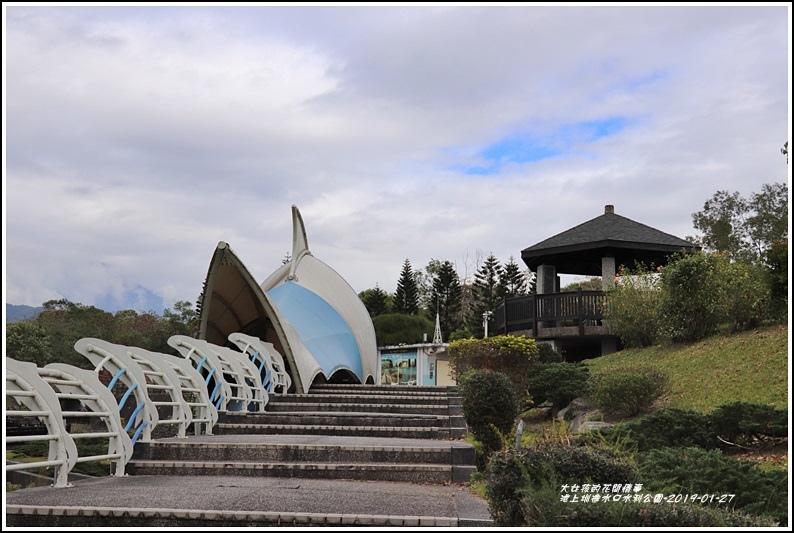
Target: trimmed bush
664,428
511,355
547,354
697,471
630,391
490,406
739,422
558,383
513,475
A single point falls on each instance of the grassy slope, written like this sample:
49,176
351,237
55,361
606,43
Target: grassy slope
750,366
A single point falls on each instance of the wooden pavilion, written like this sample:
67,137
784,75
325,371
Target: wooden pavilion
572,321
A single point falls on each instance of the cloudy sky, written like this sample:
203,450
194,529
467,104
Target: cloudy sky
138,137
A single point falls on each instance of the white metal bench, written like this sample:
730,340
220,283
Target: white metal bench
269,360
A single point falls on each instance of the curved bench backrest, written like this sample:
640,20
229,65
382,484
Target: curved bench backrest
259,351
193,390
224,378
114,359
83,386
161,378
30,391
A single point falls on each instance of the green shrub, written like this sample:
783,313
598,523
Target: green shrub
513,476
702,293
547,354
744,296
664,428
630,391
394,328
543,508
705,472
508,354
490,406
672,427
558,383
631,307
739,422
689,302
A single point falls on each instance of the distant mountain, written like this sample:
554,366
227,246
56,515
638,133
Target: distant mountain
16,313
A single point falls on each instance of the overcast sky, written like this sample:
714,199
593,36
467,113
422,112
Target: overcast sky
136,138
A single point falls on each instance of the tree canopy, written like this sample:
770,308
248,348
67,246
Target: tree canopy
744,228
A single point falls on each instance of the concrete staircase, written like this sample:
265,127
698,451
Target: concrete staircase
335,432
357,410
340,455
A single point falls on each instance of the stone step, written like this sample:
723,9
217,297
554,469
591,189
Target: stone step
63,516
428,409
297,449
355,431
403,472
325,457
380,389
350,418
366,399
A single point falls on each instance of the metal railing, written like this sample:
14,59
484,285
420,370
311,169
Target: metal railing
233,381
106,356
40,393
165,389
535,311
269,361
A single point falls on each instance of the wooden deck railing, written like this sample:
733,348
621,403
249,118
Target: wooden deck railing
559,309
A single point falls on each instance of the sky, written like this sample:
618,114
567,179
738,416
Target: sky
136,137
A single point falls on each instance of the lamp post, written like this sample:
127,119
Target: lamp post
485,316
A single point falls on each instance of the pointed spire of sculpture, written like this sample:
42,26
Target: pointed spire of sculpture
300,245
437,333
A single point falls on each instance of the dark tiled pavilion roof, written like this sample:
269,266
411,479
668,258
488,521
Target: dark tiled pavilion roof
579,250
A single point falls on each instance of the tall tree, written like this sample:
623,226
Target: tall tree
406,298
513,281
446,295
376,300
743,229
486,295
769,220
424,284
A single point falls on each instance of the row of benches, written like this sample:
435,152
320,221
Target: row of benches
151,388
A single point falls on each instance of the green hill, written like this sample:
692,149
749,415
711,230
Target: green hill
750,367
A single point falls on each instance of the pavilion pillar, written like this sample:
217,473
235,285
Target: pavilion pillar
607,273
546,282
609,345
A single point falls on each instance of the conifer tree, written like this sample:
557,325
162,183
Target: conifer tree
446,295
406,298
487,295
376,301
513,282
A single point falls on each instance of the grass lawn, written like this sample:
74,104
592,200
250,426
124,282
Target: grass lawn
751,367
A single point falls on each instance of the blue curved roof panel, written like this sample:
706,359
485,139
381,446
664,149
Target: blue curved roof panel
321,328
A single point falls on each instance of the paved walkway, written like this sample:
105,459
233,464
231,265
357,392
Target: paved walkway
236,501
229,501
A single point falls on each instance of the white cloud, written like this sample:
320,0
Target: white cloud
139,137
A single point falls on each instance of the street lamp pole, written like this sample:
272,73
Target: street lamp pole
485,316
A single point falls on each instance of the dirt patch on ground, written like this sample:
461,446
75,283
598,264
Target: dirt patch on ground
773,451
